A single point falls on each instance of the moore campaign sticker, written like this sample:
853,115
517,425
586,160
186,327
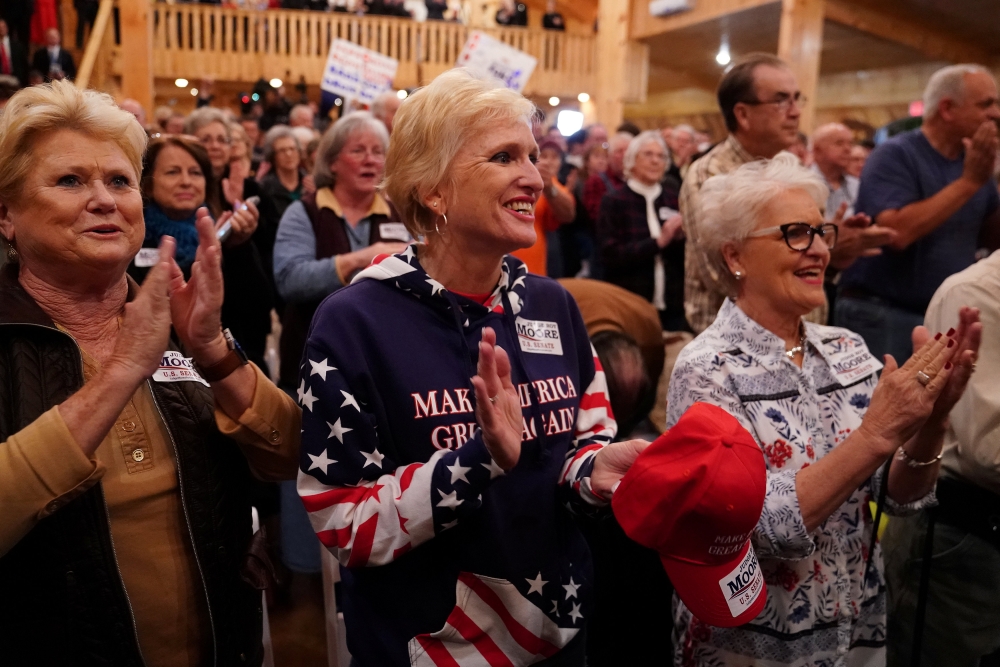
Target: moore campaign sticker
175,367
742,586
538,336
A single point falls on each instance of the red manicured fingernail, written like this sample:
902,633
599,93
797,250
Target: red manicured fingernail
951,332
938,337
947,366
951,343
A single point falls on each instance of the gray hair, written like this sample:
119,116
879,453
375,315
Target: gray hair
687,129
379,104
274,134
337,137
301,110
634,146
731,206
948,82
199,118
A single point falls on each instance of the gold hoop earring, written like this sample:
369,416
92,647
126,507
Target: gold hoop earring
437,229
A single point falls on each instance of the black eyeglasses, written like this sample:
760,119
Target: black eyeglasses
799,235
784,101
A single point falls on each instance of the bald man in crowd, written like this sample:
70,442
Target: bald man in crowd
134,108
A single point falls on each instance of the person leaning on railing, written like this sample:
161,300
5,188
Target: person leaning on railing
125,535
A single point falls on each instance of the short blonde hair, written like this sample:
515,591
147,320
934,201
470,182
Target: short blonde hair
431,126
36,112
731,205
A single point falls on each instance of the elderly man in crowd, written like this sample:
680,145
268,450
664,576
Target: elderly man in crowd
761,103
831,158
934,186
683,146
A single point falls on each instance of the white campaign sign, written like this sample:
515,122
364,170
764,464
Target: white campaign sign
538,336
491,56
355,72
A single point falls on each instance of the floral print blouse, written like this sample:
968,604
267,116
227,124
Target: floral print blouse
818,610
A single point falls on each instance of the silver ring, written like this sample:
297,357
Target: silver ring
493,399
923,378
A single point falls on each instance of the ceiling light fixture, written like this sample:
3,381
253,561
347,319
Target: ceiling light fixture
553,101
181,83
276,83
402,94
583,97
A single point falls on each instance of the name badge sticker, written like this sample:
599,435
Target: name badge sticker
538,337
852,363
666,213
147,257
175,367
394,230
742,586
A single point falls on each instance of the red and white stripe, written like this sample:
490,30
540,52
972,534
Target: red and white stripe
492,624
373,523
595,428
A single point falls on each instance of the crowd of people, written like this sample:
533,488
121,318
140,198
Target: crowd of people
451,423
510,13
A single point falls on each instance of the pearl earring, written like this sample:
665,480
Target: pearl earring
738,275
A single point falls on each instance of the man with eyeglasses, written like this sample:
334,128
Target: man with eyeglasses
760,101
934,186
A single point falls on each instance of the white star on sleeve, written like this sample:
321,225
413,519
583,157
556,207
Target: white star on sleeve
555,608
571,588
321,461
575,613
450,524
338,431
449,500
307,399
320,368
301,390
375,458
349,400
495,470
458,471
536,584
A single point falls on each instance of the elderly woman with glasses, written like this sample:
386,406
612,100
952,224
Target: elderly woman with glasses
826,423
639,233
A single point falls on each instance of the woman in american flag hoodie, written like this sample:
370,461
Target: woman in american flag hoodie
454,411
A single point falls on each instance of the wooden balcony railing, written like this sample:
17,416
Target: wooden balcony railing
203,41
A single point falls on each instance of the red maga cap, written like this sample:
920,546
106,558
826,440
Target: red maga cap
695,495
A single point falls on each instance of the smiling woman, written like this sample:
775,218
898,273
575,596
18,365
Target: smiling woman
812,397
454,407
119,456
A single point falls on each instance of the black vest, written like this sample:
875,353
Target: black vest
62,601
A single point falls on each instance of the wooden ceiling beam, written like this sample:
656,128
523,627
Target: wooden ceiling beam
645,25
929,40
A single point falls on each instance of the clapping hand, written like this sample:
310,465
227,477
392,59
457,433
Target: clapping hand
966,352
857,237
498,406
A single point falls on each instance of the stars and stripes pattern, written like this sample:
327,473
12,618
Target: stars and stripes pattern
492,624
595,428
370,509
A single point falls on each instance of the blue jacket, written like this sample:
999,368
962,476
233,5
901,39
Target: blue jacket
443,553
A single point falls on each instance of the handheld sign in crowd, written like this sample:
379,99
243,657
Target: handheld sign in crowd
357,73
502,62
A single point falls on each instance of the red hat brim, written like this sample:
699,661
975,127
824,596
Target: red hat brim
700,587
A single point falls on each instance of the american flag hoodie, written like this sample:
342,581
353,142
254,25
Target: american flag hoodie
447,560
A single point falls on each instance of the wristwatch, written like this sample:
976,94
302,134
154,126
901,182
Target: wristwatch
223,368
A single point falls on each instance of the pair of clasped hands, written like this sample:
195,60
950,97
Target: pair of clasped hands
192,306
